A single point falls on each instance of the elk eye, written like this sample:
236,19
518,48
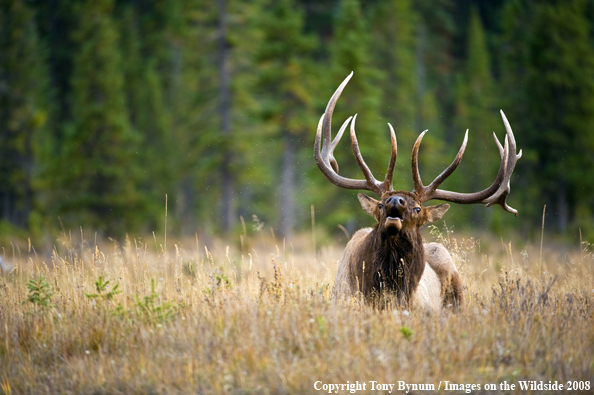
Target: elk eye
380,206
417,210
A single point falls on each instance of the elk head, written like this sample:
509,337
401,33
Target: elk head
401,211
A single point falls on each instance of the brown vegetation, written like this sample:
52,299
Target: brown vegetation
223,322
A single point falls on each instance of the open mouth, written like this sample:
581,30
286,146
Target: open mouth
394,218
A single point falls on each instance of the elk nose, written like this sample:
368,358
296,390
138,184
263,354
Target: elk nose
398,201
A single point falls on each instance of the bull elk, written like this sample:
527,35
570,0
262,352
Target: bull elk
391,256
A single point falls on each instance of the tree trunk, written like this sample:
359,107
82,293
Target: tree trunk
227,200
184,206
287,202
28,165
562,210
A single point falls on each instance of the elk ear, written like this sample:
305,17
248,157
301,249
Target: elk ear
434,213
369,205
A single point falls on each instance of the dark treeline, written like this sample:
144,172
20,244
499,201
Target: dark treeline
107,106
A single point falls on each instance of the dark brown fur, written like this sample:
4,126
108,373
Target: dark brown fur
395,263
393,260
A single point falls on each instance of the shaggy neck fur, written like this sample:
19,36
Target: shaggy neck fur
397,264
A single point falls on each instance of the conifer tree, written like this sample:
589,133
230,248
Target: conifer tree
242,151
283,60
408,103
195,120
475,111
437,36
56,21
148,116
393,25
172,86
349,51
24,108
106,106
561,90
97,171
517,24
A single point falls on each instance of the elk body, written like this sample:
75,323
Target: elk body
391,256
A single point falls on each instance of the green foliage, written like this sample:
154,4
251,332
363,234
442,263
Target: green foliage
548,68
222,280
151,310
99,148
563,77
24,108
407,333
322,325
40,293
218,282
103,291
475,112
393,23
350,50
146,106
107,106
284,87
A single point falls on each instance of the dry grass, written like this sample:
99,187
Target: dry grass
263,322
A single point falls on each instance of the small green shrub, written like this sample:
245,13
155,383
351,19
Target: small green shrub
40,293
219,282
103,294
406,332
151,311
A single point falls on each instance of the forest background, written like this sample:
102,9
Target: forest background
107,107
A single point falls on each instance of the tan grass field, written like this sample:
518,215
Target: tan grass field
260,320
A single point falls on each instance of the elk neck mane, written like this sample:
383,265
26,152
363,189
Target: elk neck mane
397,262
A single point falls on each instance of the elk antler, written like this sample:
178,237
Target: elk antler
495,194
500,196
327,163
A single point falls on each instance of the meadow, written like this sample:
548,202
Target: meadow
257,317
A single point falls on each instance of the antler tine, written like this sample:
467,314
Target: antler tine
450,169
418,183
362,165
323,163
496,193
390,172
330,110
328,148
324,155
333,161
471,198
500,196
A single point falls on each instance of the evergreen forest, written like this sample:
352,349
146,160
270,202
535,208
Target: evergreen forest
115,112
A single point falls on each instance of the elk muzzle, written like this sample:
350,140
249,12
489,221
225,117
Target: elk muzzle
395,207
